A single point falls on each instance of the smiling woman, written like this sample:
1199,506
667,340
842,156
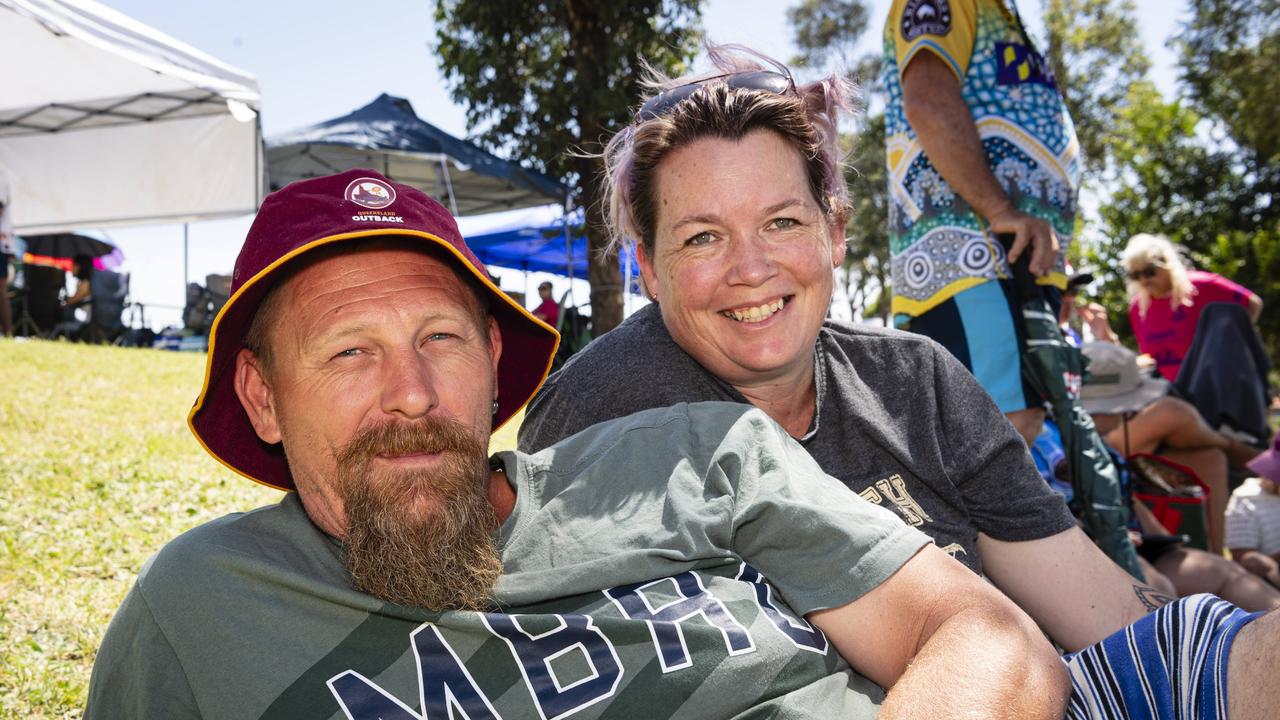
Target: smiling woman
730,185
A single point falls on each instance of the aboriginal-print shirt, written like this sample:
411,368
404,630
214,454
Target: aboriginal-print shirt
939,243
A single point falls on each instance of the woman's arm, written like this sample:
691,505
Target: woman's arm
946,644
1074,591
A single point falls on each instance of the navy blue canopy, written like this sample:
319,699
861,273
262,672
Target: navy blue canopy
531,240
387,136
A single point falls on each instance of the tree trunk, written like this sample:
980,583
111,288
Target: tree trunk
587,47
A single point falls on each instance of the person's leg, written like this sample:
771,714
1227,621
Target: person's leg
1210,465
1195,571
1028,422
1264,566
6,313
1156,579
1252,692
1167,421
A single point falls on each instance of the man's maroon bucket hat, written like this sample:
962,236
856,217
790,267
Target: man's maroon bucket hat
313,213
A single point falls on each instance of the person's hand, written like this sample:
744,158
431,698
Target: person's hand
1028,230
1095,316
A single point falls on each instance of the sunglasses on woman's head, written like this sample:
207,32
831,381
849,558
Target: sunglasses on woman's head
663,102
1145,273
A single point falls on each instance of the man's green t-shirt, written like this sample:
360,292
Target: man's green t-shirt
657,565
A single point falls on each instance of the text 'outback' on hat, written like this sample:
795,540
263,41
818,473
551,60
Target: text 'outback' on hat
317,212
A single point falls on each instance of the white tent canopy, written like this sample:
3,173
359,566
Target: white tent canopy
105,121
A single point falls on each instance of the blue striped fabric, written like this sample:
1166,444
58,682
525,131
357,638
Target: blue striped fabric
1170,665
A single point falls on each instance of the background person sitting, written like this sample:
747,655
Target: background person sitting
1169,565
1157,423
1166,299
71,325
1253,518
82,270
1083,321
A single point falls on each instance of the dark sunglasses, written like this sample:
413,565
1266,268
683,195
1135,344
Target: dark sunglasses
1145,273
663,102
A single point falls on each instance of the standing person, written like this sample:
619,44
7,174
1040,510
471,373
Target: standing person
983,173
980,146
1166,299
6,256
549,311
730,184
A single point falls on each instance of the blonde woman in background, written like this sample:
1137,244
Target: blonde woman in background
1166,298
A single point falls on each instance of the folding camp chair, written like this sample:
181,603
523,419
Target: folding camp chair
107,293
41,309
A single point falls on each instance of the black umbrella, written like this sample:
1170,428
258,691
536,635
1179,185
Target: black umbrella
61,249
67,245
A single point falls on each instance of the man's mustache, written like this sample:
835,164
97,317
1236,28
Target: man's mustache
409,437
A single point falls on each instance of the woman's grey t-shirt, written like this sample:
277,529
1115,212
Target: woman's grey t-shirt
899,421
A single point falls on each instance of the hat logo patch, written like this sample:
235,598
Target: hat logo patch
370,193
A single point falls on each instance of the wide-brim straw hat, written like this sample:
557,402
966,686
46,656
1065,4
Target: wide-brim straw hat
319,212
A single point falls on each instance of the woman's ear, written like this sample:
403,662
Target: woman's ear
648,274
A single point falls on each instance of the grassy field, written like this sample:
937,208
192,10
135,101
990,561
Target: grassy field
97,472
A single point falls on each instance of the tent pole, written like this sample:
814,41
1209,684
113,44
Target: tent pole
448,185
568,247
185,264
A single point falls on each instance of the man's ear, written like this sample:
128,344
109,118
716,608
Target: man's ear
255,396
495,351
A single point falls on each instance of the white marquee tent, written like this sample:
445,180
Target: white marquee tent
105,121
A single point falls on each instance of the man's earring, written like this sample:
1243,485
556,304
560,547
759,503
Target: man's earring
495,407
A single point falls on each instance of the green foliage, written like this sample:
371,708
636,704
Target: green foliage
1229,51
537,78
866,260
825,31
1096,53
1172,183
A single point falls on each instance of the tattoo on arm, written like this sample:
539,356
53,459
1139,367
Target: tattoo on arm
1151,597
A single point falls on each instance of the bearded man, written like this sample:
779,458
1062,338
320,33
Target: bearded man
361,364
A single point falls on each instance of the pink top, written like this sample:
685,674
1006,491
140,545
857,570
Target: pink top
1165,333
550,310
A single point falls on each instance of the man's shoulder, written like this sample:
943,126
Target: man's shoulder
211,549
664,427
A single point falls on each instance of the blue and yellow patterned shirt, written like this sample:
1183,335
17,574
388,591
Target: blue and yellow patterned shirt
939,243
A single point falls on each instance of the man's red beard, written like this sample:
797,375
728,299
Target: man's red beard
440,558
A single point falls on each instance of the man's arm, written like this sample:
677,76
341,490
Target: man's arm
946,644
938,114
1074,591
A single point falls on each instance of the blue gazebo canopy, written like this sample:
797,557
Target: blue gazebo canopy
386,135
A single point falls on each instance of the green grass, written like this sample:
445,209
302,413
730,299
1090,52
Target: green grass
97,472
